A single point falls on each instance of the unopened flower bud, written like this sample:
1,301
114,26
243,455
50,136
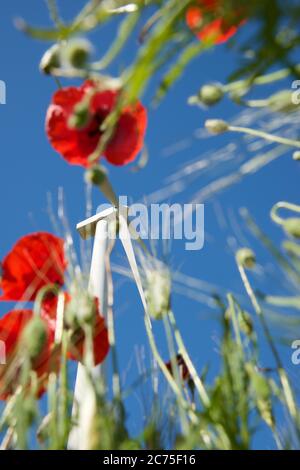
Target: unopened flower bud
34,337
292,226
77,52
216,126
81,309
246,258
96,175
296,155
282,102
80,117
211,94
50,60
158,293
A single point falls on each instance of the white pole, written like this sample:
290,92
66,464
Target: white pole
97,226
84,396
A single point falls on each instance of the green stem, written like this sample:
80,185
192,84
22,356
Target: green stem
261,80
42,293
52,406
175,371
167,373
63,414
265,136
195,377
234,320
282,205
286,388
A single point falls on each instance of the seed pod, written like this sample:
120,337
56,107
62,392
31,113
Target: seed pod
81,309
282,102
216,126
210,94
50,60
296,155
246,258
34,337
96,175
158,293
292,226
77,52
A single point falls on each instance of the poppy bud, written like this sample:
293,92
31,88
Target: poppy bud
96,175
158,293
292,226
282,102
246,258
34,337
77,53
81,309
211,94
50,60
296,155
80,117
216,126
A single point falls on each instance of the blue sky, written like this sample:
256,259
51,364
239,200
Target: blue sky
30,169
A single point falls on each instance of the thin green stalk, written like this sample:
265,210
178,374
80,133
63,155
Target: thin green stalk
54,14
63,405
175,371
282,205
265,136
195,377
125,30
52,409
287,391
167,374
260,80
234,320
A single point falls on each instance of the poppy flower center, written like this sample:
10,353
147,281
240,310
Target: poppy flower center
94,128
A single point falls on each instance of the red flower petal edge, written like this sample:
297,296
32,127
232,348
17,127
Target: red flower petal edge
219,30
35,261
11,328
77,344
76,145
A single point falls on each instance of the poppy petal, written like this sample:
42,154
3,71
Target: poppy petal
35,261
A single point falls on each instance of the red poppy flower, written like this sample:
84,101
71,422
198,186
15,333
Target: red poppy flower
12,326
77,144
76,347
35,261
219,29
